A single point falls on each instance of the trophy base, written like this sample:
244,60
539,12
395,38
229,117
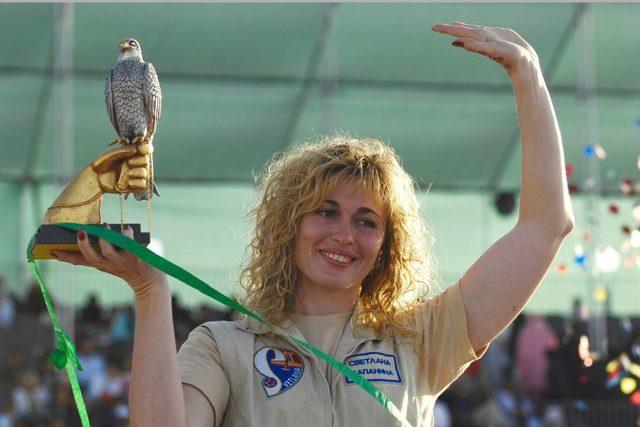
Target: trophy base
51,237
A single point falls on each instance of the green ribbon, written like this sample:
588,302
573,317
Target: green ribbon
64,356
189,279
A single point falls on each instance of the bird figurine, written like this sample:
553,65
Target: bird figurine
134,101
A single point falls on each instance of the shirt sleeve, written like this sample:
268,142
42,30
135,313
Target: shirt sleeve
446,351
200,366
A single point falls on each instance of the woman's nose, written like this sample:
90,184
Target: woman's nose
342,232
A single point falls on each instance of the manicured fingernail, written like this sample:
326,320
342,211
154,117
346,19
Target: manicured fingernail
54,254
457,44
82,235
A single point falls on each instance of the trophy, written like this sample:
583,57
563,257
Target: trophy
134,101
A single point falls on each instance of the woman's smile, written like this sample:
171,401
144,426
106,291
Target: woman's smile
333,257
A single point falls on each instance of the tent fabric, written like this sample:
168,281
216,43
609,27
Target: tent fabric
242,82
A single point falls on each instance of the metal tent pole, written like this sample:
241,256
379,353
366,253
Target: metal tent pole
63,156
597,321
330,78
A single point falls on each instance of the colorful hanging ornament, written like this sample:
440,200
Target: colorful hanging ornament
635,210
600,294
635,398
600,152
589,183
589,150
626,229
613,379
562,268
579,256
613,366
573,188
607,259
628,385
626,186
613,208
568,169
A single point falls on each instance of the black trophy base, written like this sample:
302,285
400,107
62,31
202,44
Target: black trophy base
51,237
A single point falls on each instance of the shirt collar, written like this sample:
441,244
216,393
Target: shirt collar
349,337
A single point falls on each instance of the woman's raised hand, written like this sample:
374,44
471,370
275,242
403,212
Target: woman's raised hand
139,275
503,45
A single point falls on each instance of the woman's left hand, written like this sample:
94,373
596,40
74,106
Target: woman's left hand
503,45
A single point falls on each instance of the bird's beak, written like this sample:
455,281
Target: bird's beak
124,46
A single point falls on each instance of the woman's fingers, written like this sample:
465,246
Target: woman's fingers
74,258
108,251
87,250
474,45
464,24
461,31
494,51
128,231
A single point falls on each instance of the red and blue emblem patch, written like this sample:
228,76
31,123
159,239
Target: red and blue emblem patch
281,369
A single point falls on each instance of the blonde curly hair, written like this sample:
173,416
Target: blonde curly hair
296,183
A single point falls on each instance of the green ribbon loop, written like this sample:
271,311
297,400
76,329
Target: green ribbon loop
65,355
68,348
58,358
189,279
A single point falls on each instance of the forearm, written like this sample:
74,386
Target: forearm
544,198
155,397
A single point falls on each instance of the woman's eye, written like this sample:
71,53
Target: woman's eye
327,213
368,223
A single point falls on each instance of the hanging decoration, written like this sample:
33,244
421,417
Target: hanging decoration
607,259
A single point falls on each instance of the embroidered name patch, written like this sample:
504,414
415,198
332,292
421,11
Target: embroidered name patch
374,366
281,369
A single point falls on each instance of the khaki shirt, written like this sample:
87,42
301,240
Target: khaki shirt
252,378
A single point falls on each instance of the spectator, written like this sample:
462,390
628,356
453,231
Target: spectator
7,414
34,303
535,340
441,414
112,384
91,312
93,363
7,306
31,396
121,329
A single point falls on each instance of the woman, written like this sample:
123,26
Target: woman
339,259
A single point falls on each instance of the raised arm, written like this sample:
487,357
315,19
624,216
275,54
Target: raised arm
501,282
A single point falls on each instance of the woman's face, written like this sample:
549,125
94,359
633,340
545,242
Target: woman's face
337,244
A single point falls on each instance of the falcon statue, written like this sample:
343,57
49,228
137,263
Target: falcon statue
134,100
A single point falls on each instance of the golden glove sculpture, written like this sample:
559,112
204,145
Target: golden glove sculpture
122,170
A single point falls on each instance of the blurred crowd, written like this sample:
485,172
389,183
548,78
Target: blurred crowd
536,373
33,393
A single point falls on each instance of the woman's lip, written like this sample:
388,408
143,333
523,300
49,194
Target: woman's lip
340,252
334,262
